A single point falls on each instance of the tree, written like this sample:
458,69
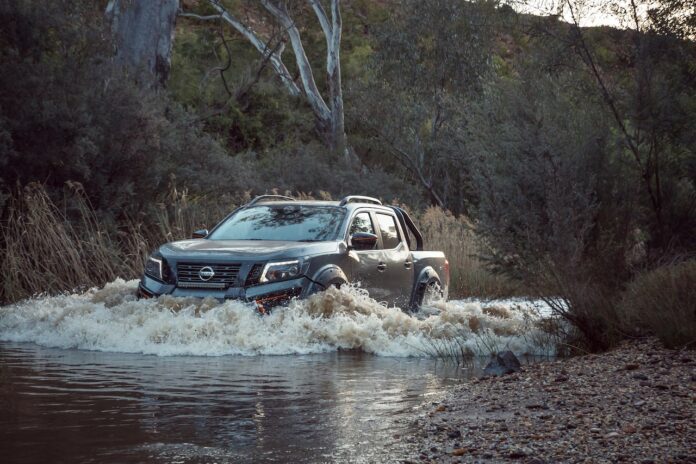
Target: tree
144,34
430,60
673,17
329,116
650,109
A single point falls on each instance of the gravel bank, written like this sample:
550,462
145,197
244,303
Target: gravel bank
634,404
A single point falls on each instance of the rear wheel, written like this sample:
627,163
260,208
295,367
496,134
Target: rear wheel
430,293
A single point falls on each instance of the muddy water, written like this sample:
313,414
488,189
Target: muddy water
82,406
102,377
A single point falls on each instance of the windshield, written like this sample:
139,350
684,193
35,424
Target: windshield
282,222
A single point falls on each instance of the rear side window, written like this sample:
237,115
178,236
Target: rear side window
390,234
362,223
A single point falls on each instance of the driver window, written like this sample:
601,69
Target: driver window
362,223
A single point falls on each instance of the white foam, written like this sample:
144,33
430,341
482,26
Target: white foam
112,319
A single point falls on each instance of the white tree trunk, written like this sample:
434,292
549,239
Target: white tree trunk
144,34
329,117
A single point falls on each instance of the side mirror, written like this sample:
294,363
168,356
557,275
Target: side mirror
362,241
200,233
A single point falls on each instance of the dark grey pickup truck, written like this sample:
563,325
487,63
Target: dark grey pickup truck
276,248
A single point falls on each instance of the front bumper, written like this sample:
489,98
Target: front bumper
265,295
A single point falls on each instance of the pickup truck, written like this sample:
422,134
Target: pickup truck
276,248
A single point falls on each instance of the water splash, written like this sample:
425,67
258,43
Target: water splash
112,319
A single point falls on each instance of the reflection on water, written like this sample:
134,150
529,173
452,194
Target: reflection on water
85,406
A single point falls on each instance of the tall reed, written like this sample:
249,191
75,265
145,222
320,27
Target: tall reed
457,238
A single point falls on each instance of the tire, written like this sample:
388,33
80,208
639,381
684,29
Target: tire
430,289
332,283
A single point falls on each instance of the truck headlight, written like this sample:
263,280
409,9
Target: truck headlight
284,270
154,267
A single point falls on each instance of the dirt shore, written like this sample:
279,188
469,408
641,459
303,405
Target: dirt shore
633,404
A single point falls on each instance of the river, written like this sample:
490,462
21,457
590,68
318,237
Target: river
98,376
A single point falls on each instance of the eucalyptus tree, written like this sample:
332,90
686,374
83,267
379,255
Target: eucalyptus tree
143,36
328,110
431,58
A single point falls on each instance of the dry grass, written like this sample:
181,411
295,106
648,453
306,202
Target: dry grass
48,250
45,252
456,237
663,303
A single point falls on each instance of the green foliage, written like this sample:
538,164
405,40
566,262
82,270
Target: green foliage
431,60
71,116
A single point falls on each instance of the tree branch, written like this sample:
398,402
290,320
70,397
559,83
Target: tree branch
410,164
306,75
255,40
323,19
199,17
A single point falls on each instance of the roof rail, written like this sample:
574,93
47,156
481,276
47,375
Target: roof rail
359,199
262,198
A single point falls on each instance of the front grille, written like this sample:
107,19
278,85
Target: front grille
188,275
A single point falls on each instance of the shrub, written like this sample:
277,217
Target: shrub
72,116
663,303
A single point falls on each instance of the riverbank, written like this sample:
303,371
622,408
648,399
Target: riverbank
633,404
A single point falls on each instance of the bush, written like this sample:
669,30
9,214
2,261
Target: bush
663,303
67,114
555,202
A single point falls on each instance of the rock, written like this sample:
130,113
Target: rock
611,435
454,434
628,428
631,366
561,378
640,376
502,363
440,408
517,454
459,452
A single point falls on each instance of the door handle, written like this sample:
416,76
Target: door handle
381,267
407,264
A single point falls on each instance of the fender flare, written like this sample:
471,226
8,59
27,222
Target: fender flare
426,275
326,276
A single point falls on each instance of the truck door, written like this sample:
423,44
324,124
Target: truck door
395,264
365,263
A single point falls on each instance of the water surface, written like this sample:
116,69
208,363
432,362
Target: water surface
100,376
82,406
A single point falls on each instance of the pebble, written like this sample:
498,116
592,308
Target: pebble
606,416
